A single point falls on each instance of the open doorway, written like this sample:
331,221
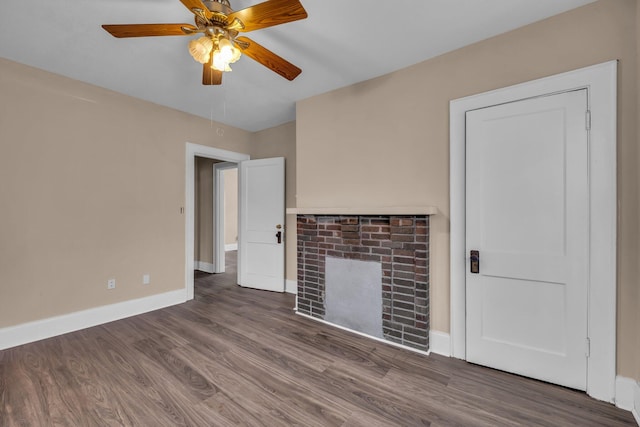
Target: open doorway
225,213
260,220
216,215
216,225
198,254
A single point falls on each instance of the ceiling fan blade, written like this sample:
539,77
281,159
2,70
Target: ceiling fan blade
209,75
146,30
198,8
267,58
269,13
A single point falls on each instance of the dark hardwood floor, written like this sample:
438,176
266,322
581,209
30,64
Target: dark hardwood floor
237,356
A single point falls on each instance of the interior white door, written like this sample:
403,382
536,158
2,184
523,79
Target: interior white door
527,216
261,224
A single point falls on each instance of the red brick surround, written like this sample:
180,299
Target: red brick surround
399,243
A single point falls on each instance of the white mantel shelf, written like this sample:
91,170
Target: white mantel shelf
385,210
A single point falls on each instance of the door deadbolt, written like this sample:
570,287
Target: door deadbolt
475,261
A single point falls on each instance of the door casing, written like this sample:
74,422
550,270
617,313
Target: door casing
193,151
601,84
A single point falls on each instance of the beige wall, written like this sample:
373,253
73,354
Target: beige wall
280,141
386,141
230,206
203,206
91,184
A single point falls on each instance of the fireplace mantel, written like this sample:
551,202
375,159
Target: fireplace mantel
384,210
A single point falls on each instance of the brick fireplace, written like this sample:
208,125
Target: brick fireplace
397,246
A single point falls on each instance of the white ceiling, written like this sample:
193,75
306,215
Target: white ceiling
340,43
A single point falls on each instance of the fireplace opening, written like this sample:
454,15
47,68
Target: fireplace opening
367,273
353,295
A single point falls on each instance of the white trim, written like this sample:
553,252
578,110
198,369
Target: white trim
193,150
440,343
601,82
636,403
218,213
391,343
207,267
231,247
54,326
374,210
625,392
291,287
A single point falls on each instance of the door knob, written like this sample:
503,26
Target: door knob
279,236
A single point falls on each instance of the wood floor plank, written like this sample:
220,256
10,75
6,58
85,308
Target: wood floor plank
241,357
288,339
465,410
142,327
235,411
545,403
239,333
183,373
234,375
367,419
168,396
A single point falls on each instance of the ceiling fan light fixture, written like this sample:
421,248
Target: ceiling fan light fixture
218,63
200,49
225,54
228,51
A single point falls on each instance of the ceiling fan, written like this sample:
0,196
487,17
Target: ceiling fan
220,26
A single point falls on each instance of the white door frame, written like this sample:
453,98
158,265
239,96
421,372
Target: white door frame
601,84
193,151
218,214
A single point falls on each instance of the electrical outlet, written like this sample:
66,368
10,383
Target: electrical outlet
111,284
146,279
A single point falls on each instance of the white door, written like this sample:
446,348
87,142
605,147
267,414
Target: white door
527,216
261,224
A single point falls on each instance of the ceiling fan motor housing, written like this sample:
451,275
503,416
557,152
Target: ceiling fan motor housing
219,6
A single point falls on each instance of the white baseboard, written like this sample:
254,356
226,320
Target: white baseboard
231,247
391,343
207,267
440,343
46,328
625,392
291,286
636,403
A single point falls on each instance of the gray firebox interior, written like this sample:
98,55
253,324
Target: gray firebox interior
353,295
